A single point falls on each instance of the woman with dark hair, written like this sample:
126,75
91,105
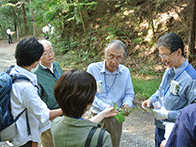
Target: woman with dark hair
74,92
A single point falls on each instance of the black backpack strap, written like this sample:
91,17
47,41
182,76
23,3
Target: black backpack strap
27,120
28,125
17,117
9,69
90,135
100,139
15,78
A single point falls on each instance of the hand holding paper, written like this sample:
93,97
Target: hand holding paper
161,113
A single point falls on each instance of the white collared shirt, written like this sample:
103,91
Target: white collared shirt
51,69
25,95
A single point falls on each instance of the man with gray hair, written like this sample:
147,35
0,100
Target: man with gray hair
48,72
114,85
178,86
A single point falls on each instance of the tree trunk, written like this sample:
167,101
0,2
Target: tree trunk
191,45
17,32
34,22
80,13
151,16
24,17
15,18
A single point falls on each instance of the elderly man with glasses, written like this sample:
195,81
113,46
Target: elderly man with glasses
48,72
178,86
114,85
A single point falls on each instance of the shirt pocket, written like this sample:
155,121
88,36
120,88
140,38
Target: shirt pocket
175,102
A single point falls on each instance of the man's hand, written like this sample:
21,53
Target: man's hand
127,109
146,104
161,113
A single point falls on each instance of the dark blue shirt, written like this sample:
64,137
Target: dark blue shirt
184,131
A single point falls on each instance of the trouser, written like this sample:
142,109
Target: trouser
30,144
9,39
46,139
114,128
159,136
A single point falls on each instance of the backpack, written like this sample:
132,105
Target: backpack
7,122
90,135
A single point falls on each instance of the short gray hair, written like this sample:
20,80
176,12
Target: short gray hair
172,42
46,42
117,44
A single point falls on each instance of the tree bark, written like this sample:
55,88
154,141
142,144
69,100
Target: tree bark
80,13
15,18
24,17
191,45
34,22
151,16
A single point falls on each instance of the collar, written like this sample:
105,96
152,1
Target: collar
25,72
104,70
181,67
47,67
79,122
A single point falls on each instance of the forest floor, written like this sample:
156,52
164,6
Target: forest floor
138,128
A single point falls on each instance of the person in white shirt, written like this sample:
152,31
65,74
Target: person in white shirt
26,95
45,31
8,32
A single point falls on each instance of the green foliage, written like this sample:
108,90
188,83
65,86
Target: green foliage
12,16
65,45
138,40
146,69
114,33
75,58
119,109
145,88
191,55
60,12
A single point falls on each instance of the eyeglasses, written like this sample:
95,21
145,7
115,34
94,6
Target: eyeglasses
166,56
48,53
118,59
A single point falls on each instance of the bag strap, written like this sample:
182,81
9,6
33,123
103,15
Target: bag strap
27,120
15,78
28,125
100,139
17,117
90,135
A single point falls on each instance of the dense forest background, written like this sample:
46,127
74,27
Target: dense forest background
83,28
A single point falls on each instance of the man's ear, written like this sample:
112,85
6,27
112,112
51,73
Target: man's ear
179,52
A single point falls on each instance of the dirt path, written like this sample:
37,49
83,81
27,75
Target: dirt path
138,128
6,54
